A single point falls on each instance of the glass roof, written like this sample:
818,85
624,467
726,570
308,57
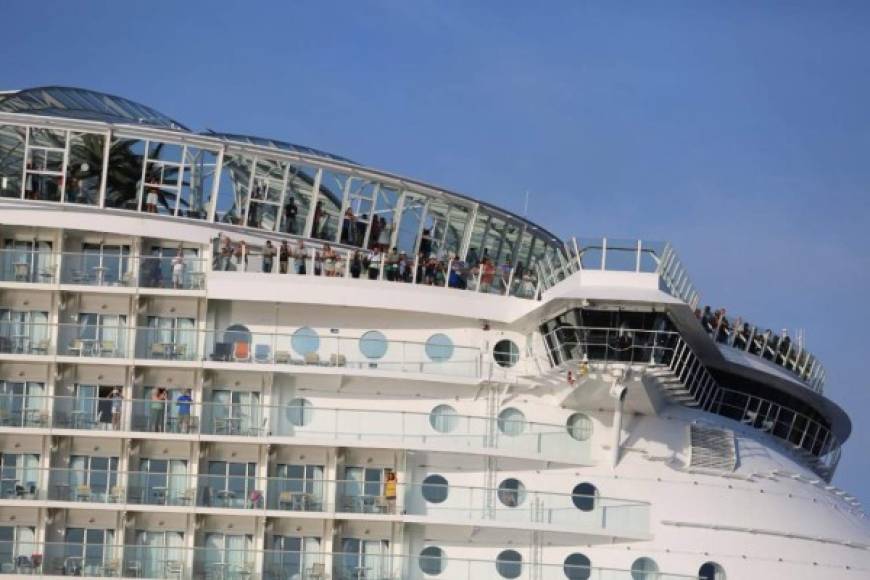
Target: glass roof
84,104
278,145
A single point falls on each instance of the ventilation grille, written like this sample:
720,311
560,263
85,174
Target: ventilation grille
713,448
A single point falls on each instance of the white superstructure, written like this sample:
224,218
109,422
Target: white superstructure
420,385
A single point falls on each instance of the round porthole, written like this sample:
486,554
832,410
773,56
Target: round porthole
711,571
509,564
431,560
644,569
579,426
373,345
443,418
577,567
583,496
506,353
511,492
305,341
299,412
434,488
511,422
439,348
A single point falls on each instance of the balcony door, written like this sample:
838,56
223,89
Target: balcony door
228,555
105,263
21,403
230,483
363,558
24,331
161,481
158,554
17,544
292,556
86,551
94,477
235,412
19,474
27,261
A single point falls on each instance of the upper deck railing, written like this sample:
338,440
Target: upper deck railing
615,255
808,436
484,276
779,349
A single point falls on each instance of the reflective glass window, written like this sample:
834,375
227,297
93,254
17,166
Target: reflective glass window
328,205
197,182
233,188
432,560
579,427
358,207
511,422
126,159
298,198
384,218
509,564
266,193
577,567
443,418
373,344
439,347
46,150
84,170
11,159
435,488
584,495
511,492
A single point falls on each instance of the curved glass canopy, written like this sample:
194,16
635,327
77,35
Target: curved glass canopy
265,142
84,104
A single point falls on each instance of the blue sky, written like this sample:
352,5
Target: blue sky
739,131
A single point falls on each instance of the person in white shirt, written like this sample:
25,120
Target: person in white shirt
178,271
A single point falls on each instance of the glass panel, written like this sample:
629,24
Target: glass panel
197,182
84,169
358,213
297,198
332,186
126,158
385,213
411,220
11,160
266,194
235,182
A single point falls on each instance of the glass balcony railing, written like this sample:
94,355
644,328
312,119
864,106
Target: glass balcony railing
105,269
330,350
483,275
300,348
182,563
31,266
298,420
779,349
614,255
442,503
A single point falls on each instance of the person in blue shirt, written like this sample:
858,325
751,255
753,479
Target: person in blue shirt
183,404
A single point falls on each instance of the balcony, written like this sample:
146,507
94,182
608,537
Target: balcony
139,561
298,421
306,348
98,270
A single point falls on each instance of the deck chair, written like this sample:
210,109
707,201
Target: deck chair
262,353
241,351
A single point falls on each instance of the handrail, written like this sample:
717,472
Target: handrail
778,349
318,258
797,431
138,560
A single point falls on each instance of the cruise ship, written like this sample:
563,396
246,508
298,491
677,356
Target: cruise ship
232,357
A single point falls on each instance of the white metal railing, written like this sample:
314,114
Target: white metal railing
780,349
813,440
